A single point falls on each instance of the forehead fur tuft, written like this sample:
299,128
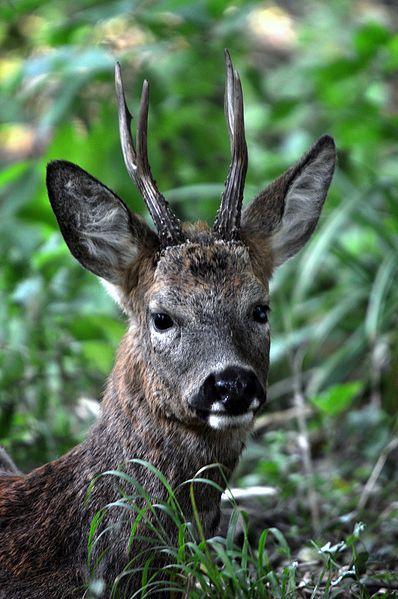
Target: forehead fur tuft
204,262
205,256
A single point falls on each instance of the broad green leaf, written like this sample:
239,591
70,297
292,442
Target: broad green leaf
337,398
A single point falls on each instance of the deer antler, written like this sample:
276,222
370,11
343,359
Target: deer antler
228,216
136,161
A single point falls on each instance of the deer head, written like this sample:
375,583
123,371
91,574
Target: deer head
197,299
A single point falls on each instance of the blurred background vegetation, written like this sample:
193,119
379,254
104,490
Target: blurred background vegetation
307,68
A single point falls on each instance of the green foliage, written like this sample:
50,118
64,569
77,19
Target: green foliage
326,67
337,398
220,566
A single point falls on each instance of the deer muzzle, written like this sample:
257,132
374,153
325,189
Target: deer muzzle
229,398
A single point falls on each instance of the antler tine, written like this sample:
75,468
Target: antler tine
137,164
229,96
228,217
142,129
125,118
146,182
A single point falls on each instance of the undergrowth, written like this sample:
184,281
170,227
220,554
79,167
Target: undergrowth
230,565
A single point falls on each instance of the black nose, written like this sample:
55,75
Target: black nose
234,387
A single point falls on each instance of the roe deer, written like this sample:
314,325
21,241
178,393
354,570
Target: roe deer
191,371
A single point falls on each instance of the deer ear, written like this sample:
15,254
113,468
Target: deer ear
99,229
288,210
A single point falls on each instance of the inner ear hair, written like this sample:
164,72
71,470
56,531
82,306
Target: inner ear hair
99,229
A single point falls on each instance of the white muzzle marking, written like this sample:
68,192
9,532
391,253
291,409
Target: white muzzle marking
219,418
224,421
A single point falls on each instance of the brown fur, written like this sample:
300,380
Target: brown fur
210,287
43,517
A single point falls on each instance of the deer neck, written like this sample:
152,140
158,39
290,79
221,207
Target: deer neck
127,429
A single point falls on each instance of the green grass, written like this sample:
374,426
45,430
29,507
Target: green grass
222,566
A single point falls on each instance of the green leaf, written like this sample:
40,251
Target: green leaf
337,398
361,562
370,38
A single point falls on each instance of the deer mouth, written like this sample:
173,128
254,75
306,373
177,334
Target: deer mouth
222,421
219,418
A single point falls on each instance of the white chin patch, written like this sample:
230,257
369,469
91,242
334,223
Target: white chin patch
223,421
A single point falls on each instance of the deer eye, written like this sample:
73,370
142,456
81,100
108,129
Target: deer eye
162,321
260,314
